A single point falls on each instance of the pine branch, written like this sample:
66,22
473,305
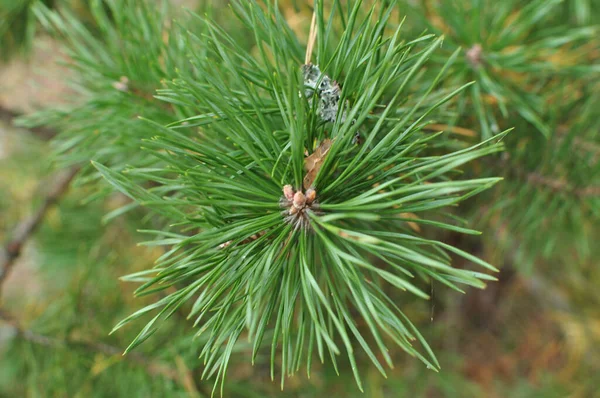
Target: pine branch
24,230
8,116
579,144
286,205
152,366
559,185
589,192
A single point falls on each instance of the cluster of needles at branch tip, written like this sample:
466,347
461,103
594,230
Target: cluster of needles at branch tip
328,91
298,205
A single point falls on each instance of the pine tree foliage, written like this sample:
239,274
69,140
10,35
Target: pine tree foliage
300,201
118,63
278,214
16,27
582,12
550,185
511,53
18,24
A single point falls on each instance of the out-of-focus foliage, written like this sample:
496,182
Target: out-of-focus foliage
548,208
582,12
119,69
511,52
17,26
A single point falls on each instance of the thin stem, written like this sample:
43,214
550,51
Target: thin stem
25,229
151,366
312,37
8,116
558,185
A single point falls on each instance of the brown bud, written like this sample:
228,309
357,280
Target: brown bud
475,55
288,192
122,84
299,200
311,195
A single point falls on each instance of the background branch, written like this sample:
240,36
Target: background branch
8,116
558,185
24,230
152,366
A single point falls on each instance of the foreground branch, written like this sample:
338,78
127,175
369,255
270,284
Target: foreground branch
26,228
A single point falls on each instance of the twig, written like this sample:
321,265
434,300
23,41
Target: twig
589,192
557,185
312,37
25,229
152,367
554,184
580,143
8,116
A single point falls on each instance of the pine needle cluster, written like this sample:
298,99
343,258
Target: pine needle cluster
222,177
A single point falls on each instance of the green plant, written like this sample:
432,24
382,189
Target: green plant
278,214
302,201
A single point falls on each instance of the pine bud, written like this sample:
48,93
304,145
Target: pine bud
288,192
475,56
311,195
122,84
299,200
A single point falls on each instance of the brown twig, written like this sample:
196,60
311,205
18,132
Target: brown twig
8,116
552,183
152,366
25,229
558,185
312,36
589,192
580,144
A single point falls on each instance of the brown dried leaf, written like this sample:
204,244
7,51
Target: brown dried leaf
313,163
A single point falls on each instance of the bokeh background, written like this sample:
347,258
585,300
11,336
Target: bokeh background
534,333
